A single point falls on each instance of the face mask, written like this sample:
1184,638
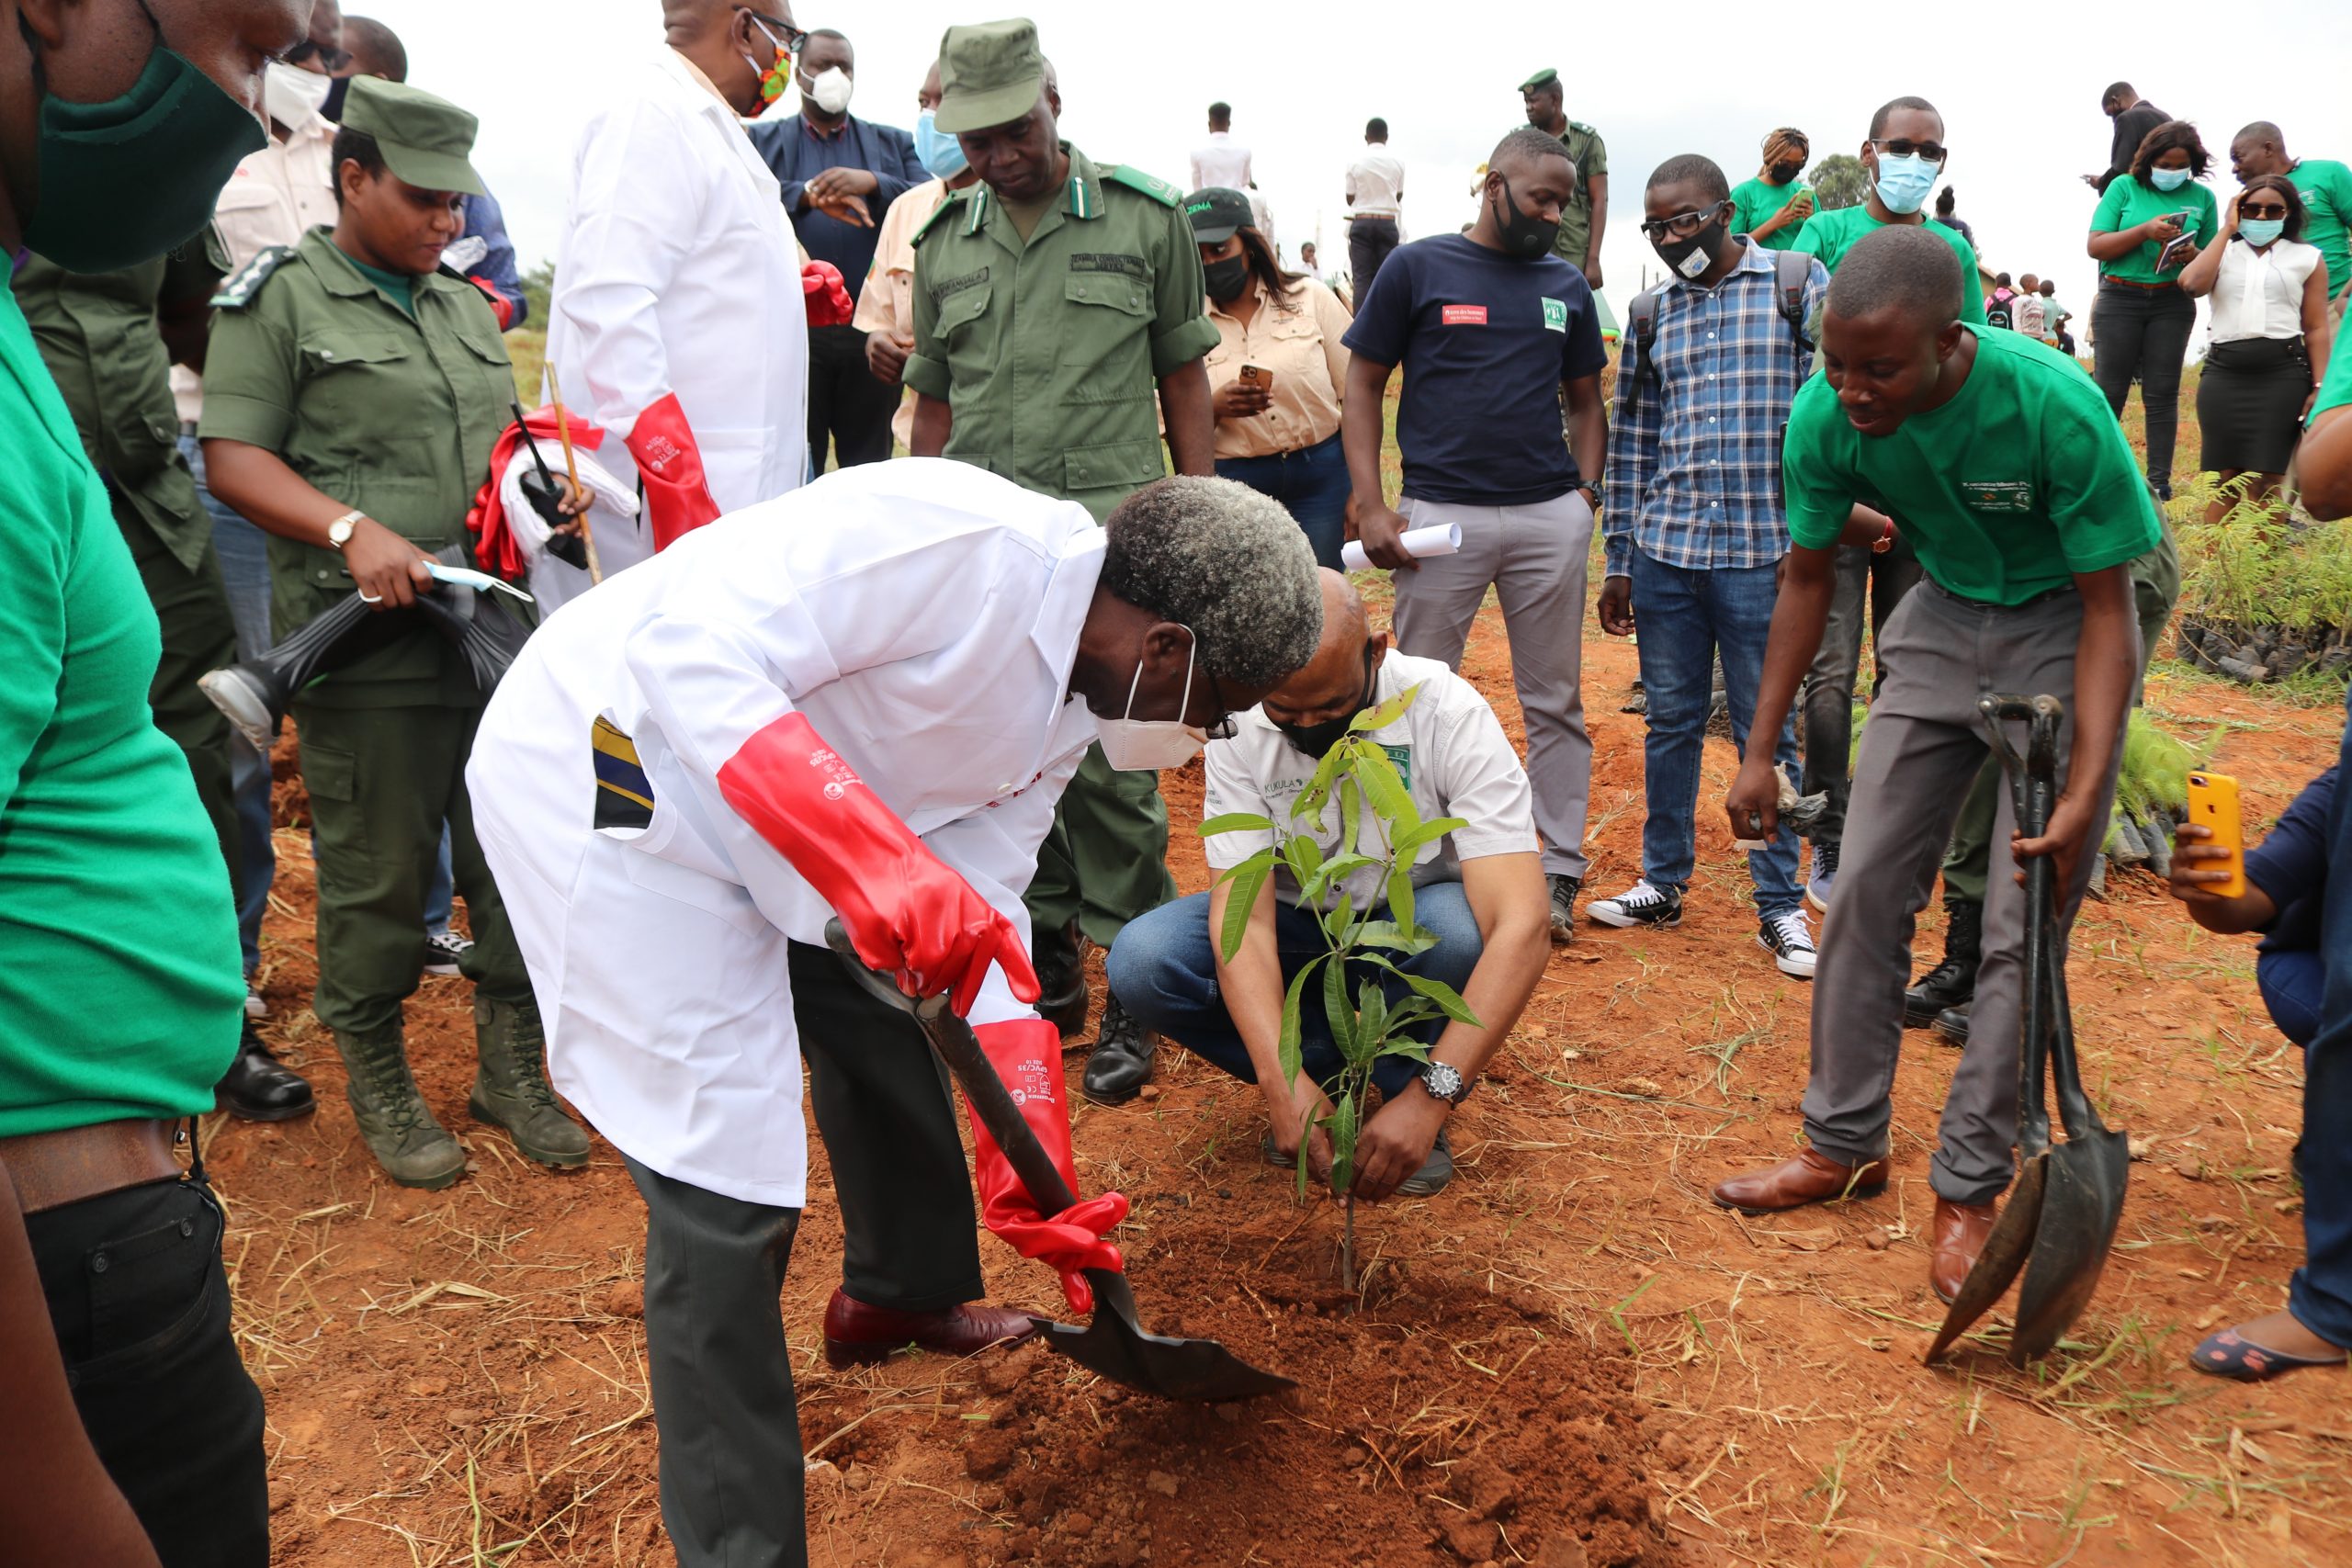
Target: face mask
1317,740
1694,255
1783,173
941,153
1904,182
830,89
774,75
332,109
123,182
1526,237
292,95
2261,230
1136,745
2169,179
1227,275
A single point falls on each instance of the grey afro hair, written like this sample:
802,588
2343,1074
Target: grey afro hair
1227,562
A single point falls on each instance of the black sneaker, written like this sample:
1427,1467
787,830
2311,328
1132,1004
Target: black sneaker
1121,1062
1565,889
443,950
1640,905
1823,877
1789,942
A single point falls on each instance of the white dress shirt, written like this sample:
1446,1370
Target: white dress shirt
2261,294
922,616
1376,184
1221,161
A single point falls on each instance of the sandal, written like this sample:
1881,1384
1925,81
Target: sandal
2229,1355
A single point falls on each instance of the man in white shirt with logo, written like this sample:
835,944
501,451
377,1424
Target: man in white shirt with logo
1479,889
1376,195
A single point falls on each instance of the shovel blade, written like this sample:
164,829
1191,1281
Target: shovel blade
1113,1344
2005,1253
2080,1210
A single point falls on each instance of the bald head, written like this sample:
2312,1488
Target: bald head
1333,683
375,49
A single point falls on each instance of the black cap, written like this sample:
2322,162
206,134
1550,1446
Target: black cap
1217,212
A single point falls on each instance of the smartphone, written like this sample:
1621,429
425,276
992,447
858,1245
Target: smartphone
2213,806
1257,376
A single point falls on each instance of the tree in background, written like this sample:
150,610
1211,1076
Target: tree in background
537,284
1840,180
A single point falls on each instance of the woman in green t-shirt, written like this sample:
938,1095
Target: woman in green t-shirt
2150,225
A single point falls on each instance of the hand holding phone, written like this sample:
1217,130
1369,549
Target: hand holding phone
1258,375
2220,851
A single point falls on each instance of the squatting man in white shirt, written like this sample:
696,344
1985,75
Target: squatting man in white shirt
860,699
1479,889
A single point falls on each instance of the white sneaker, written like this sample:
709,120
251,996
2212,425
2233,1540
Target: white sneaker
1789,942
255,1007
1640,905
442,951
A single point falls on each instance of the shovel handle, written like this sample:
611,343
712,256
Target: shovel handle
2032,780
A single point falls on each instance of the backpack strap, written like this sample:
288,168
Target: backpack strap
1791,270
1641,325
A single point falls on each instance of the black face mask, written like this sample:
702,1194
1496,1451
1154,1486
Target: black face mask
1690,257
1783,173
1227,275
1317,740
1526,237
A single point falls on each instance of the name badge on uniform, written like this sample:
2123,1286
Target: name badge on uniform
1555,314
1998,495
1403,757
1463,315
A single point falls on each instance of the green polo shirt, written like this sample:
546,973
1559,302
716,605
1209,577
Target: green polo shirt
1830,235
1756,201
2336,387
2018,483
121,988
2128,204
2325,187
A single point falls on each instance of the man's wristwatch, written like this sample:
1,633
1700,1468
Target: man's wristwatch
339,531
1445,1083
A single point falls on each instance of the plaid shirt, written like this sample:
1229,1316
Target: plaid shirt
1694,447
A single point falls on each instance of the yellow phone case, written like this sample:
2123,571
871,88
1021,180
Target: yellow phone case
2213,804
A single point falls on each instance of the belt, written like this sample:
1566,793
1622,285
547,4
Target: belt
188,427
1963,599
52,1170
2137,283
1372,218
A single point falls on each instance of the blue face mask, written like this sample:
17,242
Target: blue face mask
2261,230
2169,179
940,152
1904,182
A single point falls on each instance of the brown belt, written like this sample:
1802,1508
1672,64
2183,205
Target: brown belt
52,1170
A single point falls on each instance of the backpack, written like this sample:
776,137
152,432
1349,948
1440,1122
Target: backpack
1997,312
1791,270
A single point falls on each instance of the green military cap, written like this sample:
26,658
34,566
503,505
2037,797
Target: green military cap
425,141
1543,78
989,74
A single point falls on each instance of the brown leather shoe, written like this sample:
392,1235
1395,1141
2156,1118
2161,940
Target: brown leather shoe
855,1332
1810,1177
1960,1230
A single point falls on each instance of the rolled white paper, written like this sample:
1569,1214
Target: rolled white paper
1438,539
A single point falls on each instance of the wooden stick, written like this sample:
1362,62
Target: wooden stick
572,465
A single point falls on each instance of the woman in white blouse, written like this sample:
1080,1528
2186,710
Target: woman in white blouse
2270,338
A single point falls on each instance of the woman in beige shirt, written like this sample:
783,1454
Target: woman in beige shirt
1275,374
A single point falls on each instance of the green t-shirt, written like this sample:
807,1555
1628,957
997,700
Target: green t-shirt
2325,187
1830,235
1755,201
2128,204
2021,482
2336,387
399,287
122,992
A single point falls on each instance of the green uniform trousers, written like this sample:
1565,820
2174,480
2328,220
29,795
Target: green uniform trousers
198,638
1106,862
381,783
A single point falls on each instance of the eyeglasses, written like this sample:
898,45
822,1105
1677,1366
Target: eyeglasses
1223,730
782,34
331,60
2276,210
1903,147
1681,226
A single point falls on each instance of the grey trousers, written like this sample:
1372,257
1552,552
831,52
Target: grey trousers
1921,752
1869,586
733,1486
1534,557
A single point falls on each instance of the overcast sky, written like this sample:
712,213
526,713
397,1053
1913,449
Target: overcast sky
2021,110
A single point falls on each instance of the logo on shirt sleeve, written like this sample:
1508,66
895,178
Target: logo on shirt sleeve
1555,314
1463,315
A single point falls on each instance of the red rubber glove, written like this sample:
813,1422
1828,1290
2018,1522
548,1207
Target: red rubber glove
499,306
905,910
677,497
826,296
1027,1055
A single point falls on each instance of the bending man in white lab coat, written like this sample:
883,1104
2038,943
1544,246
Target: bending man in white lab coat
861,700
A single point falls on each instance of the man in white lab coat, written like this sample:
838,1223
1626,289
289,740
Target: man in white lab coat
862,699
677,322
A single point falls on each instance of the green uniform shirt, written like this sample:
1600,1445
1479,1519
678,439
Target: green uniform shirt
1590,153
99,336
1049,353
385,411
2325,187
1755,202
2336,387
122,992
1830,235
2008,490
2128,204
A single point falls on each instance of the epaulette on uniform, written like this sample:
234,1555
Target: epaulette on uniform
238,291
1153,185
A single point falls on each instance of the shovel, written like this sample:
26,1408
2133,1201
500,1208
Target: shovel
1113,1344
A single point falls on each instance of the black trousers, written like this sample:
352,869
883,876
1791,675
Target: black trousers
1369,242
2143,333
139,1300
846,404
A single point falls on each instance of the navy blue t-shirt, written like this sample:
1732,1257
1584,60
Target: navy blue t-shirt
1486,342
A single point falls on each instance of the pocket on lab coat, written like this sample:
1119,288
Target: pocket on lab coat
728,900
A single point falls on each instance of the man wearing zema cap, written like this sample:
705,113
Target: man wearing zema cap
1059,311
352,392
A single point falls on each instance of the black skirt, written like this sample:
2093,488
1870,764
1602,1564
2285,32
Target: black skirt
2250,403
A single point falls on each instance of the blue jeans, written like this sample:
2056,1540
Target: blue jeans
1312,482
1685,617
1163,970
244,571
440,889
2321,1296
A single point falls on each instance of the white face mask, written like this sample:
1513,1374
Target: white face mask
292,95
830,89
1136,745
